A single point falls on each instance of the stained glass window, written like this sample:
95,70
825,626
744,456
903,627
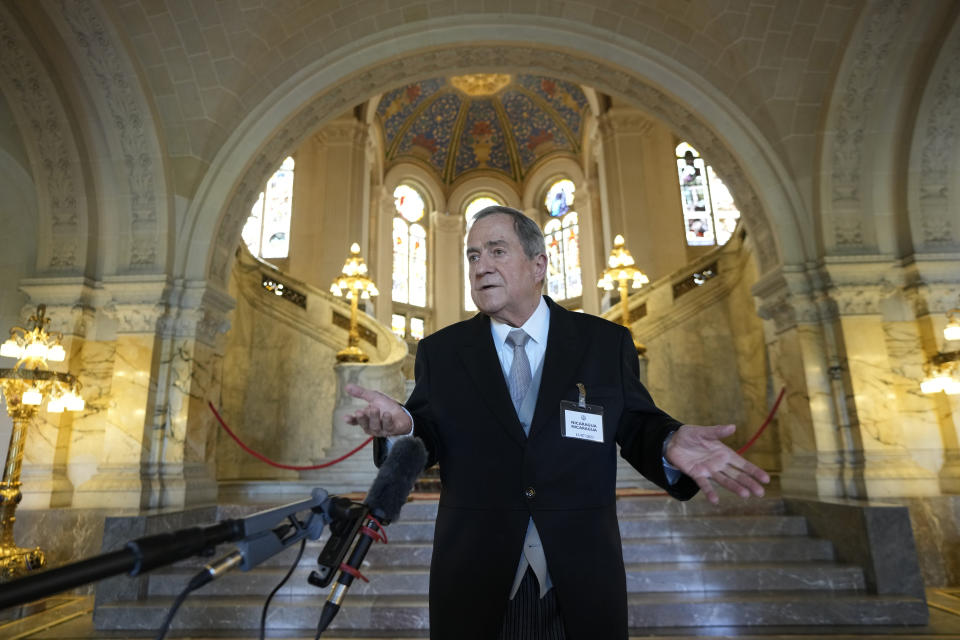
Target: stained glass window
409,248
559,198
267,231
473,207
709,213
398,324
562,237
416,328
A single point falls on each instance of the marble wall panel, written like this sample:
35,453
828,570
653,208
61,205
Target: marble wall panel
916,416
871,380
279,396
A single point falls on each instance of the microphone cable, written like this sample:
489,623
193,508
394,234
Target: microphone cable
203,578
162,632
266,605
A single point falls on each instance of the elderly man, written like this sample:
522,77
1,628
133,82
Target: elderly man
524,406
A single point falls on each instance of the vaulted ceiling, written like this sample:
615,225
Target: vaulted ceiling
498,122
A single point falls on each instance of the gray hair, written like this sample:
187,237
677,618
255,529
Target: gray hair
528,231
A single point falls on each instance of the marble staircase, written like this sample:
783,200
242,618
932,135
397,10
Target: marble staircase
688,565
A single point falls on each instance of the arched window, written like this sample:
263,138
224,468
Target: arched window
267,231
473,207
409,260
709,213
562,236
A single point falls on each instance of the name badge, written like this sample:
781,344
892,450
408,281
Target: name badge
581,420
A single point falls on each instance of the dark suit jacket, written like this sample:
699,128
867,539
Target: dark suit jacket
494,478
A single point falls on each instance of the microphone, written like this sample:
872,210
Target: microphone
386,497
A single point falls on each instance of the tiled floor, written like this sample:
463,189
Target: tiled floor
69,618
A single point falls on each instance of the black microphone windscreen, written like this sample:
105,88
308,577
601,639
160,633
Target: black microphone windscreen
396,477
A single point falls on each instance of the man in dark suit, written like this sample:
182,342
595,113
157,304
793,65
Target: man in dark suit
525,425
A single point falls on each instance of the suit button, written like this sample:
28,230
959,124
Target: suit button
530,492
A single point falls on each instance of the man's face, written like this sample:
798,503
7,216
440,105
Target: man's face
504,283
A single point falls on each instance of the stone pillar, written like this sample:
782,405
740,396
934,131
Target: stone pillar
179,456
329,200
810,420
642,192
446,268
62,450
381,253
122,362
589,229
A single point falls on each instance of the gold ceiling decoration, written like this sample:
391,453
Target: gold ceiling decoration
481,84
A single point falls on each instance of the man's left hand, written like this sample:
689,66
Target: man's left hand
698,452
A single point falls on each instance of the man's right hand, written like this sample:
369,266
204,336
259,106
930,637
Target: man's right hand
383,416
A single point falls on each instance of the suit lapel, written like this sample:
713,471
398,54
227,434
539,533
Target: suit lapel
480,359
560,363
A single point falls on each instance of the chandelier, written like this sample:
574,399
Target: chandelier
25,387
943,371
354,284
619,272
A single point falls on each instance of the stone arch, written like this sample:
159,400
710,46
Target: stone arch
55,163
769,203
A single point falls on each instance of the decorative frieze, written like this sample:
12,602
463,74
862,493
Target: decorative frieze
119,91
55,162
884,21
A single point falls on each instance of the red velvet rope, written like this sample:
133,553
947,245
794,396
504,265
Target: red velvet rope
280,465
773,411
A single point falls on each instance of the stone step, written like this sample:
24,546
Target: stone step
650,506
635,551
658,527
641,578
363,613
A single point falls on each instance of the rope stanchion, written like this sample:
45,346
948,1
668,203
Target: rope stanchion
280,465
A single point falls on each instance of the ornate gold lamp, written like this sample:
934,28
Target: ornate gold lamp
354,284
25,388
619,272
943,372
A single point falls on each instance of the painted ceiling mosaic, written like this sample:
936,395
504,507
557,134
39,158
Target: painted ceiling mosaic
482,121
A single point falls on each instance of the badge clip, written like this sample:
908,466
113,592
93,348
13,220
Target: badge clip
582,402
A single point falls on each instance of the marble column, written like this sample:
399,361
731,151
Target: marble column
179,456
56,442
126,360
589,229
810,421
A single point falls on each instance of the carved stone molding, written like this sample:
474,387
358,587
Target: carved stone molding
939,144
858,299
618,122
337,133
119,89
605,77
138,318
884,21
55,161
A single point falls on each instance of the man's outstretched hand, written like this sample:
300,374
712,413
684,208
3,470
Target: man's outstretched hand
698,452
383,416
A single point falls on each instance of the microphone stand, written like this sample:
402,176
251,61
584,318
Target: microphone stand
259,537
